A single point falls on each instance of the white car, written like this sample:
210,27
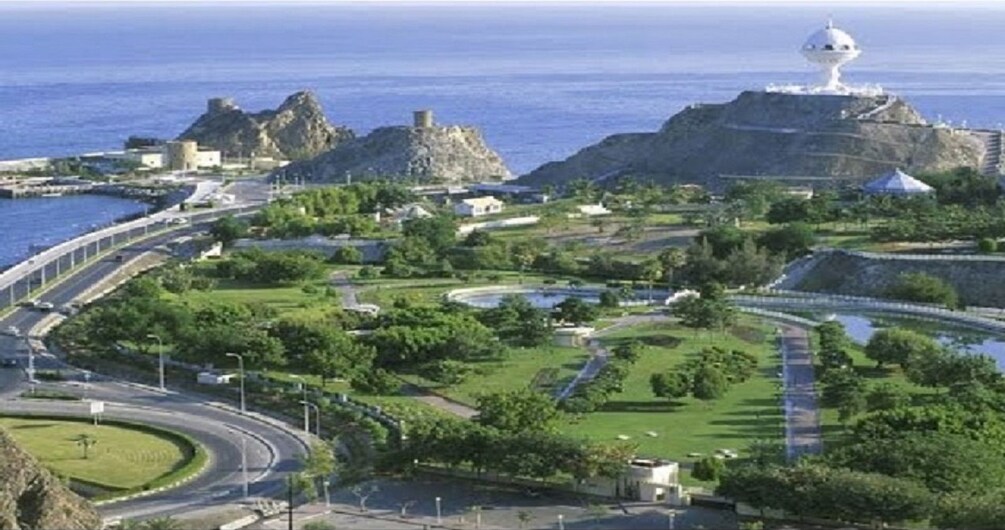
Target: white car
44,306
13,331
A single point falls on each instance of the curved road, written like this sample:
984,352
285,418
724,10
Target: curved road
271,447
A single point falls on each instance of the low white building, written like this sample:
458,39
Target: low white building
478,206
152,158
208,158
590,210
210,378
645,479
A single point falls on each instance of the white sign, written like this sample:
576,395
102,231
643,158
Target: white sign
97,407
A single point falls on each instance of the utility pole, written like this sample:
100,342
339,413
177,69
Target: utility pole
289,501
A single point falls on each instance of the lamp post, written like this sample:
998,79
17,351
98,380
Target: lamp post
240,364
439,519
671,515
317,415
561,522
307,412
328,499
160,355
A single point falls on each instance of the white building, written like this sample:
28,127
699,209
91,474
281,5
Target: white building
478,206
152,158
208,158
646,480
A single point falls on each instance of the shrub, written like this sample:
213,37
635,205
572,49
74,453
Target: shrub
708,469
987,245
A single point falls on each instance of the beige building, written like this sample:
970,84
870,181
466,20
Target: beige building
646,480
478,206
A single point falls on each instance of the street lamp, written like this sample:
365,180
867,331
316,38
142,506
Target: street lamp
561,522
240,364
671,515
317,415
328,499
439,520
307,412
160,355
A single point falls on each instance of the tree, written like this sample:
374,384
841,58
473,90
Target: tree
942,462
439,232
708,469
670,385
609,300
228,229
886,396
516,321
709,383
377,382
899,346
318,464
478,238
85,442
162,523
982,511
924,288
517,411
524,517
650,270
722,239
575,310
348,255
792,240
987,245
709,310
671,259
628,351
789,210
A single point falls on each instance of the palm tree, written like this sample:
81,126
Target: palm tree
86,441
162,523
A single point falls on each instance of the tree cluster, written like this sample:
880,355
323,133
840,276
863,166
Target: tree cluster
707,377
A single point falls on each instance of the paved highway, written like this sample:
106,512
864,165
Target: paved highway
271,447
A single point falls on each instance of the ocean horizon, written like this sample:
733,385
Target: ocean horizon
541,82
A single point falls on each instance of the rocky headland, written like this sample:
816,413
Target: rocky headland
32,498
775,134
423,152
297,130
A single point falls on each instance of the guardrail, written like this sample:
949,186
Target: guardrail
18,281
810,300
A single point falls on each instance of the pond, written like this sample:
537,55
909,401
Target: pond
544,298
861,327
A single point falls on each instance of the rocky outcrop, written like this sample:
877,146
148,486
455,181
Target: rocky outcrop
32,498
976,279
778,135
297,130
431,154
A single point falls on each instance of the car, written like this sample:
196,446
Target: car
179,221
8,362
69,309
44,306
119,257
13,331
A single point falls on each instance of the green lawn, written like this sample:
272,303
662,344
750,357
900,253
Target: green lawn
123,458
544,368
750,411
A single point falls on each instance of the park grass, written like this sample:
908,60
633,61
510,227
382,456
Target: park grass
543,368
122,459
750,410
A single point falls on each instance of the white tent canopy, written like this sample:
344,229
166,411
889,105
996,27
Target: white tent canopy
896,182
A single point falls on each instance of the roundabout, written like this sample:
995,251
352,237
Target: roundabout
111,459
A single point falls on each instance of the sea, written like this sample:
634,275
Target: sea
540,80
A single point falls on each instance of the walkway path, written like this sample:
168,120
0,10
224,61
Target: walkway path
346,290
802,417
600,355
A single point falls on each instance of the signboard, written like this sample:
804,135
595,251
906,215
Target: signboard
97,407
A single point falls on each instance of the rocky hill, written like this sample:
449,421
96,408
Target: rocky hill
32,498
779,135
434,154
298,129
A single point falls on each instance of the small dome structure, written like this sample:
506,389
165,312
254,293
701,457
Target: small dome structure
896,182
830,49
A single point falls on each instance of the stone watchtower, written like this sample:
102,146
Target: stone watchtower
220,105
423,119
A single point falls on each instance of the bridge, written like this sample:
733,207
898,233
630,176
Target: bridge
26,278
